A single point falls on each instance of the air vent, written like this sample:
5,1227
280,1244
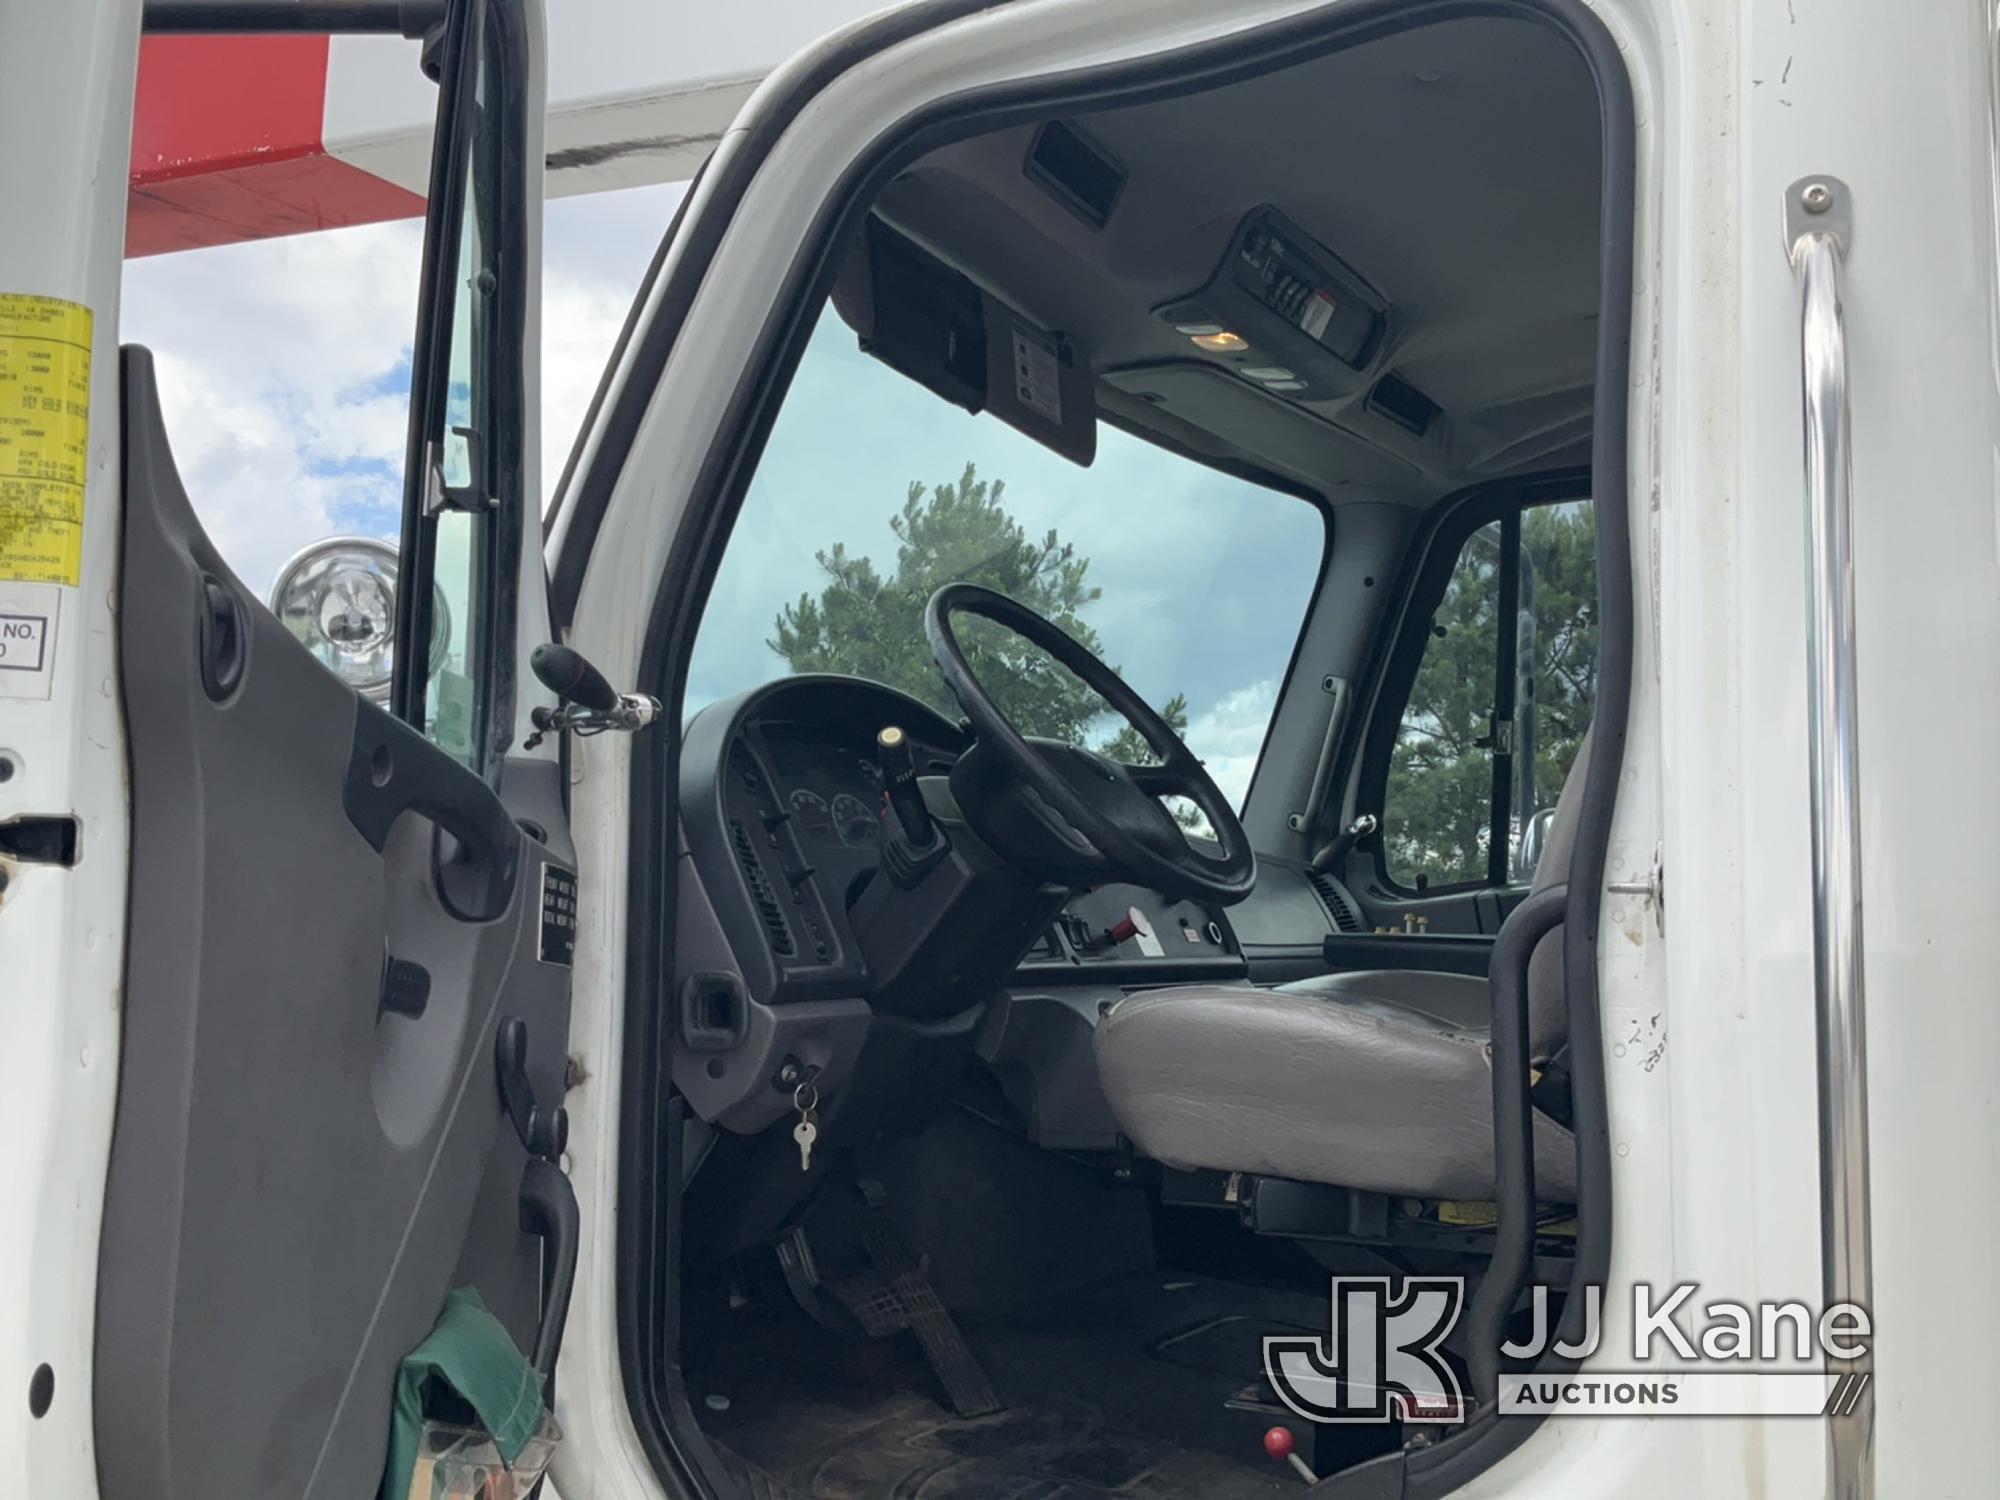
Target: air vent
1075,171
1403,404
1339,905
773,915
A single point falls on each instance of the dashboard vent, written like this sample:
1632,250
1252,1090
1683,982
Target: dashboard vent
1339,905
773,915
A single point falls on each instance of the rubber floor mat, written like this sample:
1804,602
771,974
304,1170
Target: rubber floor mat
906,1452
1096,1409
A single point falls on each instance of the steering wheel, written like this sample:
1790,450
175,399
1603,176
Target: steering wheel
1105,818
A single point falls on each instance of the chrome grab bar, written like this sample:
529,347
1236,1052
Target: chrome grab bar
1819,230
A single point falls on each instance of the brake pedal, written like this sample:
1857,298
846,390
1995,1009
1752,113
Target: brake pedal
951,1359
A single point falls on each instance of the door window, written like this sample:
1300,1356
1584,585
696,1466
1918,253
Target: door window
451,540
1501,698
1438,808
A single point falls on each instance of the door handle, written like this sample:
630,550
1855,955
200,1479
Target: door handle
549,1211
392,770
223,638
1819,229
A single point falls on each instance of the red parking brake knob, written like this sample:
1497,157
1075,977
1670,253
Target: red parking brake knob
1122,929
1280,1444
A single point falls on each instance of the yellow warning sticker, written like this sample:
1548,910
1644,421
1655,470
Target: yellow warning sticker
44,437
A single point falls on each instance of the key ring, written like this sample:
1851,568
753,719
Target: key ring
805,1098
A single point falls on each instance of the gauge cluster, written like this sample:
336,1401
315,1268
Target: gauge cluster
835,796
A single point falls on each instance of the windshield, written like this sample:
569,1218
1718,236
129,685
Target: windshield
872,493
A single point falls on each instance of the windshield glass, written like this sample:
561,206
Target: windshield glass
873,492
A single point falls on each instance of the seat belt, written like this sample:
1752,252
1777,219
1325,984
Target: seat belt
1550,1092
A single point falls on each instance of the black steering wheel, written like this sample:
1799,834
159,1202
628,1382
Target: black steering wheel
1103,819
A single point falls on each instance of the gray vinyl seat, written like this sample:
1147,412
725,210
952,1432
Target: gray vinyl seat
1379,1080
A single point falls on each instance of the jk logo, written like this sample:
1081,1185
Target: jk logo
1380,1359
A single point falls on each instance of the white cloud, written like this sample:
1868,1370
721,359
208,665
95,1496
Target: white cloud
284,364
1228,736
273,357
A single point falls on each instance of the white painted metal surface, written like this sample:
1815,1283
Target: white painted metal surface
65,111
638,92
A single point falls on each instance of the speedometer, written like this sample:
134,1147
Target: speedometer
814,821
857,821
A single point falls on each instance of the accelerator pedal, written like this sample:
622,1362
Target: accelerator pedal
872,1299
951,1359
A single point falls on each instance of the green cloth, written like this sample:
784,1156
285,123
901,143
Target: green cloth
472,1356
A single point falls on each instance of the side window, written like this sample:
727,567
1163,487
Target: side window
450,534
1438,806
1500,702
1555,667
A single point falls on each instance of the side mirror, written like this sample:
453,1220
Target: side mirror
338,599
1534,839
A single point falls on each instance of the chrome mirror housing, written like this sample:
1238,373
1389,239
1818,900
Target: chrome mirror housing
1534,839
338,597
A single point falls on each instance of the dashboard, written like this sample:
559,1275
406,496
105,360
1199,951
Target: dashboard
783,811
782,821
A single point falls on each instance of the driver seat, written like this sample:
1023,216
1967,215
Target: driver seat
1380,1081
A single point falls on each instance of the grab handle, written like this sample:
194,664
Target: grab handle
1819,230
1513,1135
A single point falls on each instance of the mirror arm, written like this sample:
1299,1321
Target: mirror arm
1337,849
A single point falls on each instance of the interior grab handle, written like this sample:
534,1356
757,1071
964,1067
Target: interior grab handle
549,1211
1513,1135
1819,232
391,770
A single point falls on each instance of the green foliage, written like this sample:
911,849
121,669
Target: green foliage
1439,798
869,625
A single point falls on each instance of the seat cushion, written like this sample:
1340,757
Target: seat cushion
1462,1001
1350,1089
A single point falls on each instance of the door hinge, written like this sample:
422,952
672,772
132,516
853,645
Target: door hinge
1653,888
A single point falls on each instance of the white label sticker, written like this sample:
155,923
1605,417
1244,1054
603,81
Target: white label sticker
1037,375
1316,314
1149,945
28,638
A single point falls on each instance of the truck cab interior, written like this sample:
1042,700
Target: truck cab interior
1156,651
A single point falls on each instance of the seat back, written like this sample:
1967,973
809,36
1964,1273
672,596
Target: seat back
1548,1008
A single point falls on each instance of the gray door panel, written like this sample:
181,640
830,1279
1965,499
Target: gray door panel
297,1177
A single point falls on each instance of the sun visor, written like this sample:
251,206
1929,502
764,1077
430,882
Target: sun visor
935,325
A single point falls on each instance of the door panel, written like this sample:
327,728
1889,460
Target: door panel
294,1168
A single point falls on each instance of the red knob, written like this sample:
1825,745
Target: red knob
1279,1442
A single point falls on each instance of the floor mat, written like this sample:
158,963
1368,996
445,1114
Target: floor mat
1102,1401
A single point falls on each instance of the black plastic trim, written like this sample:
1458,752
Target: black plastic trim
1045,169
1433,952
549,1211
649,1222
1513,1135
405,18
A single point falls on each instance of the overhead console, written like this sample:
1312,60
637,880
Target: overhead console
1283,312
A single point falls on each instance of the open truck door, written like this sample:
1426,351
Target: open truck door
343,1017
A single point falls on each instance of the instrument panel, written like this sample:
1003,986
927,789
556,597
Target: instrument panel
784,808
831,787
